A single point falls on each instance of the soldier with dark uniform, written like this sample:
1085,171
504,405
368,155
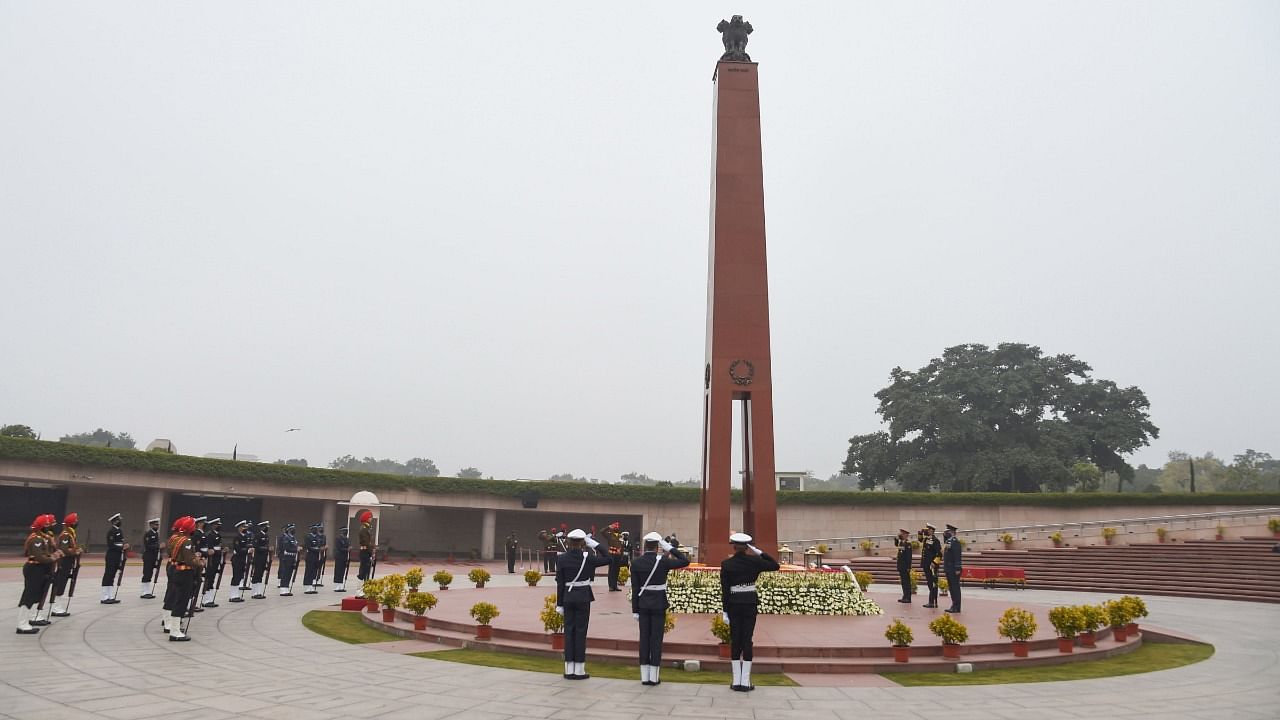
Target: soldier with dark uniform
116,548
649,600
341,559
575,569
324,556
549,550
212,550
513,549
287,551
177,533
367,549
51,540
311,568
186,560
613,537
150,558
903,541
930,559
37,571
951,565
738,574
70,549
240,548
261,558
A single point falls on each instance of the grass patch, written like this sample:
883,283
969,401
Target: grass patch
1148,658
344,626
555,666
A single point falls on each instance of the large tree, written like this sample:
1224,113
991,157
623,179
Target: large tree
101,438
18,431
1002,419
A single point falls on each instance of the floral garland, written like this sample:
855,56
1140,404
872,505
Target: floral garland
781,593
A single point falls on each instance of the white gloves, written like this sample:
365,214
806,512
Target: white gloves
725,615
666,546
559,609
591,542
754,549
635,616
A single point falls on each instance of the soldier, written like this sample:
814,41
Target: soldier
613,537
930,559
341,559
116,548
951,565
513,549
178,533
240,548
903,541
575,569
51,541
550,550
211,549
738,574
197,535
649,600
71,550
311,569
287,551
261,559
41,557
150,558
367,549
324,556
186,560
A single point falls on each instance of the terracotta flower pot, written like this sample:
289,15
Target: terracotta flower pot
443,588
420,622
1088,639
388,615
1131,629
724,650
950,651
1020,648
1066,645
532,584
901,653
557,641
479,586
484,632
1119,634
371,606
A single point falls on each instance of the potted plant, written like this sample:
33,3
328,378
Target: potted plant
1161,532
943,585
720,629
1118,617
1137,609
915,578
624,574
1056,537
371,588
442,578
413,578
823,549
531,577
1019,626
1007,540
1219,532
953,634
1092,617
1274,526
419,603
668,622
1108,534
484,612
867,546
392,593
899,635
479,576
863,578
552,622
1066,623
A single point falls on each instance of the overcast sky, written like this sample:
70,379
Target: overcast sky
477,232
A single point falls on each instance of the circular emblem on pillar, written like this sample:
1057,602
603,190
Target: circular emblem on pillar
743,376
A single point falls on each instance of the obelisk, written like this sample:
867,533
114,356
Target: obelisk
738,374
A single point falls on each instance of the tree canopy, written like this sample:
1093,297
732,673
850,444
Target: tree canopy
413,467
470,473
1002,419
18,431
101,438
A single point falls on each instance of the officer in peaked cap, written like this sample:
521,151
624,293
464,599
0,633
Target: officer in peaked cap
311,566
116,548
341,559
287,551
649,600
575,569
930,559
323,540
738,574
261,559
150,558
240,548
903,541
951,566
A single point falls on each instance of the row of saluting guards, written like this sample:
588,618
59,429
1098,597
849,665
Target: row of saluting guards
933,554
575,569
197,558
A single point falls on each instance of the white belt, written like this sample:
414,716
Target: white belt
742,588
577,583
655,588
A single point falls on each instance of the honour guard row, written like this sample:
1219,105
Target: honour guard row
197,556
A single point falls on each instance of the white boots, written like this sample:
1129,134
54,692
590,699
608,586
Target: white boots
649,675
340,587
148,590
285,592
24,622
60,609
259,591
575,671
164,621
568,668
741,676
235,594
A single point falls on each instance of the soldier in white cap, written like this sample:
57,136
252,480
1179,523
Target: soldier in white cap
649,600
575,569
116,549
150,558
930,559
738,574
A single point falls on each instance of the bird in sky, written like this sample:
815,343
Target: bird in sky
292,429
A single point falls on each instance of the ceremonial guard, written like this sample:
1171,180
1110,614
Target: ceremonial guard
261,559
613,537
324,556
649,600
903,541
169,588
114,571
211,549
311,571
367,549
68,565
37,572
45,605
930,559
341,559
951,565
197,535
550,550
575,569
738,574
287,551
240,549
186,559
150,558
513,549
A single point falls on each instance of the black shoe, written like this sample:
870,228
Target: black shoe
198,609
736,688
236,600
258,597
38,623
337,590
147,597
901,600
209,605
61,614
648,682
583,676
309,592
33,631
184,638
566,677
952,610
930,605
747,688
108,602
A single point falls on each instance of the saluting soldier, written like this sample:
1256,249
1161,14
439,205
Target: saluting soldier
367,549
951,565
116,548
240,548
513,549
287,551
930,559
41,557
150,558
649,600
69,546
311,570
341,559
186,558
575,569
738,574
211,549
903,541
261,558
613,537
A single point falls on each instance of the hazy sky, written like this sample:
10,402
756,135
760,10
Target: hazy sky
477,232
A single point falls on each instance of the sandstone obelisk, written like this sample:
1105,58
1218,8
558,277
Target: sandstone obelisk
738,372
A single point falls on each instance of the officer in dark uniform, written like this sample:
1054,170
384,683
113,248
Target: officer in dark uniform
367,549
287,551
513,549
116,548
575,569
187,560
903,541
341,559
51,572
42,556
951,566
738,574
178,533
212,550
69,546
150,558
613,537
649,600
324,556
930,559
240,548
311,568
261,559
549,550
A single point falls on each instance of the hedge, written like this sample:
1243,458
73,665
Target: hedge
158,462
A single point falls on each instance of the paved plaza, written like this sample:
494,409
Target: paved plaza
256,660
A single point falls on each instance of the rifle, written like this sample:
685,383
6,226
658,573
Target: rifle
46,595
155,571
373,564
324,563
190,613
293,575
248,569
346,568
266,573
71,589
217,585
124,560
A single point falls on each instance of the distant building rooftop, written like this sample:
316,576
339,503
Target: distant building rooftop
164,444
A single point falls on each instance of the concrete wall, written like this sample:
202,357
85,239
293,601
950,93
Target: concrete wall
96,504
